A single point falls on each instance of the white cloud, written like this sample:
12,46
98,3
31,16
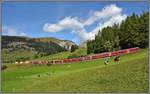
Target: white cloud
114,20
51,27
106,13
68,22
11,31
106,17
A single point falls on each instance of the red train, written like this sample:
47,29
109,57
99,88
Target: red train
90,57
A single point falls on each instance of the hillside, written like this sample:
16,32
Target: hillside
130,75
63,43
63,55
15,48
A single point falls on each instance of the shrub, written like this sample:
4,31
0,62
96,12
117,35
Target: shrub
3,67
74,56
49,63
73,48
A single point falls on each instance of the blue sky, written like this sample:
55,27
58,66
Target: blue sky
29,18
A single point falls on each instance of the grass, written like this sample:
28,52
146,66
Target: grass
130,75
81,51
14,55
57,56
62,55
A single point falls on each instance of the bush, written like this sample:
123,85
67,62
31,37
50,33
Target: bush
74,56
73,48
49,63
3,67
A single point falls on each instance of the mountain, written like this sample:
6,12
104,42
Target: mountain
18,48
63,43
66,44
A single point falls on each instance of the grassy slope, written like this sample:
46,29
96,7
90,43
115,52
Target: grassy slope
63,55
58,56
81,51
7,56
131,75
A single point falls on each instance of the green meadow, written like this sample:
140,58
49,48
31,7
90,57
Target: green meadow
130,75
63,55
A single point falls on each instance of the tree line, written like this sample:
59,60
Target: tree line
132,32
